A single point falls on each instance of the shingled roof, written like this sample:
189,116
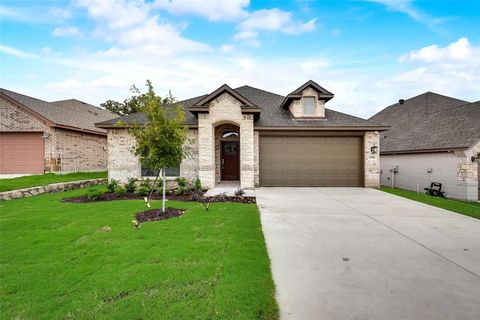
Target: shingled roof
70,114
429,122
272,115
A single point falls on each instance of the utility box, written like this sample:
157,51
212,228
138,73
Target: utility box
394,169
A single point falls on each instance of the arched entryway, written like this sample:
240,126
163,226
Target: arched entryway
227,153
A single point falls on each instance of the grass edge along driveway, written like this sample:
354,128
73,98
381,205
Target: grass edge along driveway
468,208
85,261
47,178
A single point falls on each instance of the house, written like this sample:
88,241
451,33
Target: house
433,138
259,138
38,136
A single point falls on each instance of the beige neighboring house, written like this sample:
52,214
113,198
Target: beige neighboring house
37,136
258,138
433,138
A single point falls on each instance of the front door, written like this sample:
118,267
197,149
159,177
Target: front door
230,161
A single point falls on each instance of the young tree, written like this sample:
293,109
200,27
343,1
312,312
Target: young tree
162,141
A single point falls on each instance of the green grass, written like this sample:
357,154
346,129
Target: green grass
57,263
468,208
47,178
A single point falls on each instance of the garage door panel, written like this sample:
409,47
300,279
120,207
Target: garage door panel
311,161
21,152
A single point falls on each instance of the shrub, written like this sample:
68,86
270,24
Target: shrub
144,188
131,185
119,191
112,185
180,190
239,192
94,194
198,185
182,182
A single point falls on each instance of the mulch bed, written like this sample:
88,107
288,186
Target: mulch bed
157,214
110,196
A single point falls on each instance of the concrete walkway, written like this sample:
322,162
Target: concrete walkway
353,253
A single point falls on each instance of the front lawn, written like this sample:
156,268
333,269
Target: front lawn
47,178
86,261
468,208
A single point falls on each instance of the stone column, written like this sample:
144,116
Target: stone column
206,151
372,161
247,154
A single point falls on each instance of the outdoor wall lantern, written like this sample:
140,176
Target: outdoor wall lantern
476,156
374,149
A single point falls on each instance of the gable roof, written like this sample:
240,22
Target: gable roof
68,114
272,115
323,93
429,122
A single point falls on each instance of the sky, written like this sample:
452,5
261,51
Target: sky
369,53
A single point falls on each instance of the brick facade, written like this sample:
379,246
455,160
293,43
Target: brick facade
65,150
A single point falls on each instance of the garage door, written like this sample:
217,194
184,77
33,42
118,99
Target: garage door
311,161
21,152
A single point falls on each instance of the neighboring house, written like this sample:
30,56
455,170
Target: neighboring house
38,136
261,138
432,139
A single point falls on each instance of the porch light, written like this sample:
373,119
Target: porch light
476,156
374,149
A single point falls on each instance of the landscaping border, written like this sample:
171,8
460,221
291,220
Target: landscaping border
49,188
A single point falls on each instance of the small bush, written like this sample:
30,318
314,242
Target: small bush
94,194
119,191
144,188
131,185
180,191
112,185
239,192
198,185
182,182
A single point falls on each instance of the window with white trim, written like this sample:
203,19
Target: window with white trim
308,106
169,172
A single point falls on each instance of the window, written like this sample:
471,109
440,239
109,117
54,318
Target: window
308,106
169,172
230,134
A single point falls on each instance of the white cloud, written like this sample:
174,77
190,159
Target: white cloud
273,20
213,10
458,51
406,7
452,70
66,31
16,52
116,14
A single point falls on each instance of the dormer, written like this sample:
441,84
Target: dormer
308,101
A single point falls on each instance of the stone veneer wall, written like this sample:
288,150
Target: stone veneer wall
122,163
225,109
372,161
296,107
256,142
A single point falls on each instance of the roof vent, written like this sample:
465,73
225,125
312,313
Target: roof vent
401,101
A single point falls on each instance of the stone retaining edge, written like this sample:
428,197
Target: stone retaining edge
49,188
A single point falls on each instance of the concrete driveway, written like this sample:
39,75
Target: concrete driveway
353,253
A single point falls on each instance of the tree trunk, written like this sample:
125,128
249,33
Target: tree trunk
163,190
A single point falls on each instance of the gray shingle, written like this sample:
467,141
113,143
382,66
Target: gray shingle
272,115
72,112
429,121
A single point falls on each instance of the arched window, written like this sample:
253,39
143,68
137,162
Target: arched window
229,134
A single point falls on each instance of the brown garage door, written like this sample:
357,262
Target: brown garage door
311,161
21,152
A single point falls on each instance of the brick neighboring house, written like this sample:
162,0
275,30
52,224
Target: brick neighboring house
38,136
259,138
432,139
